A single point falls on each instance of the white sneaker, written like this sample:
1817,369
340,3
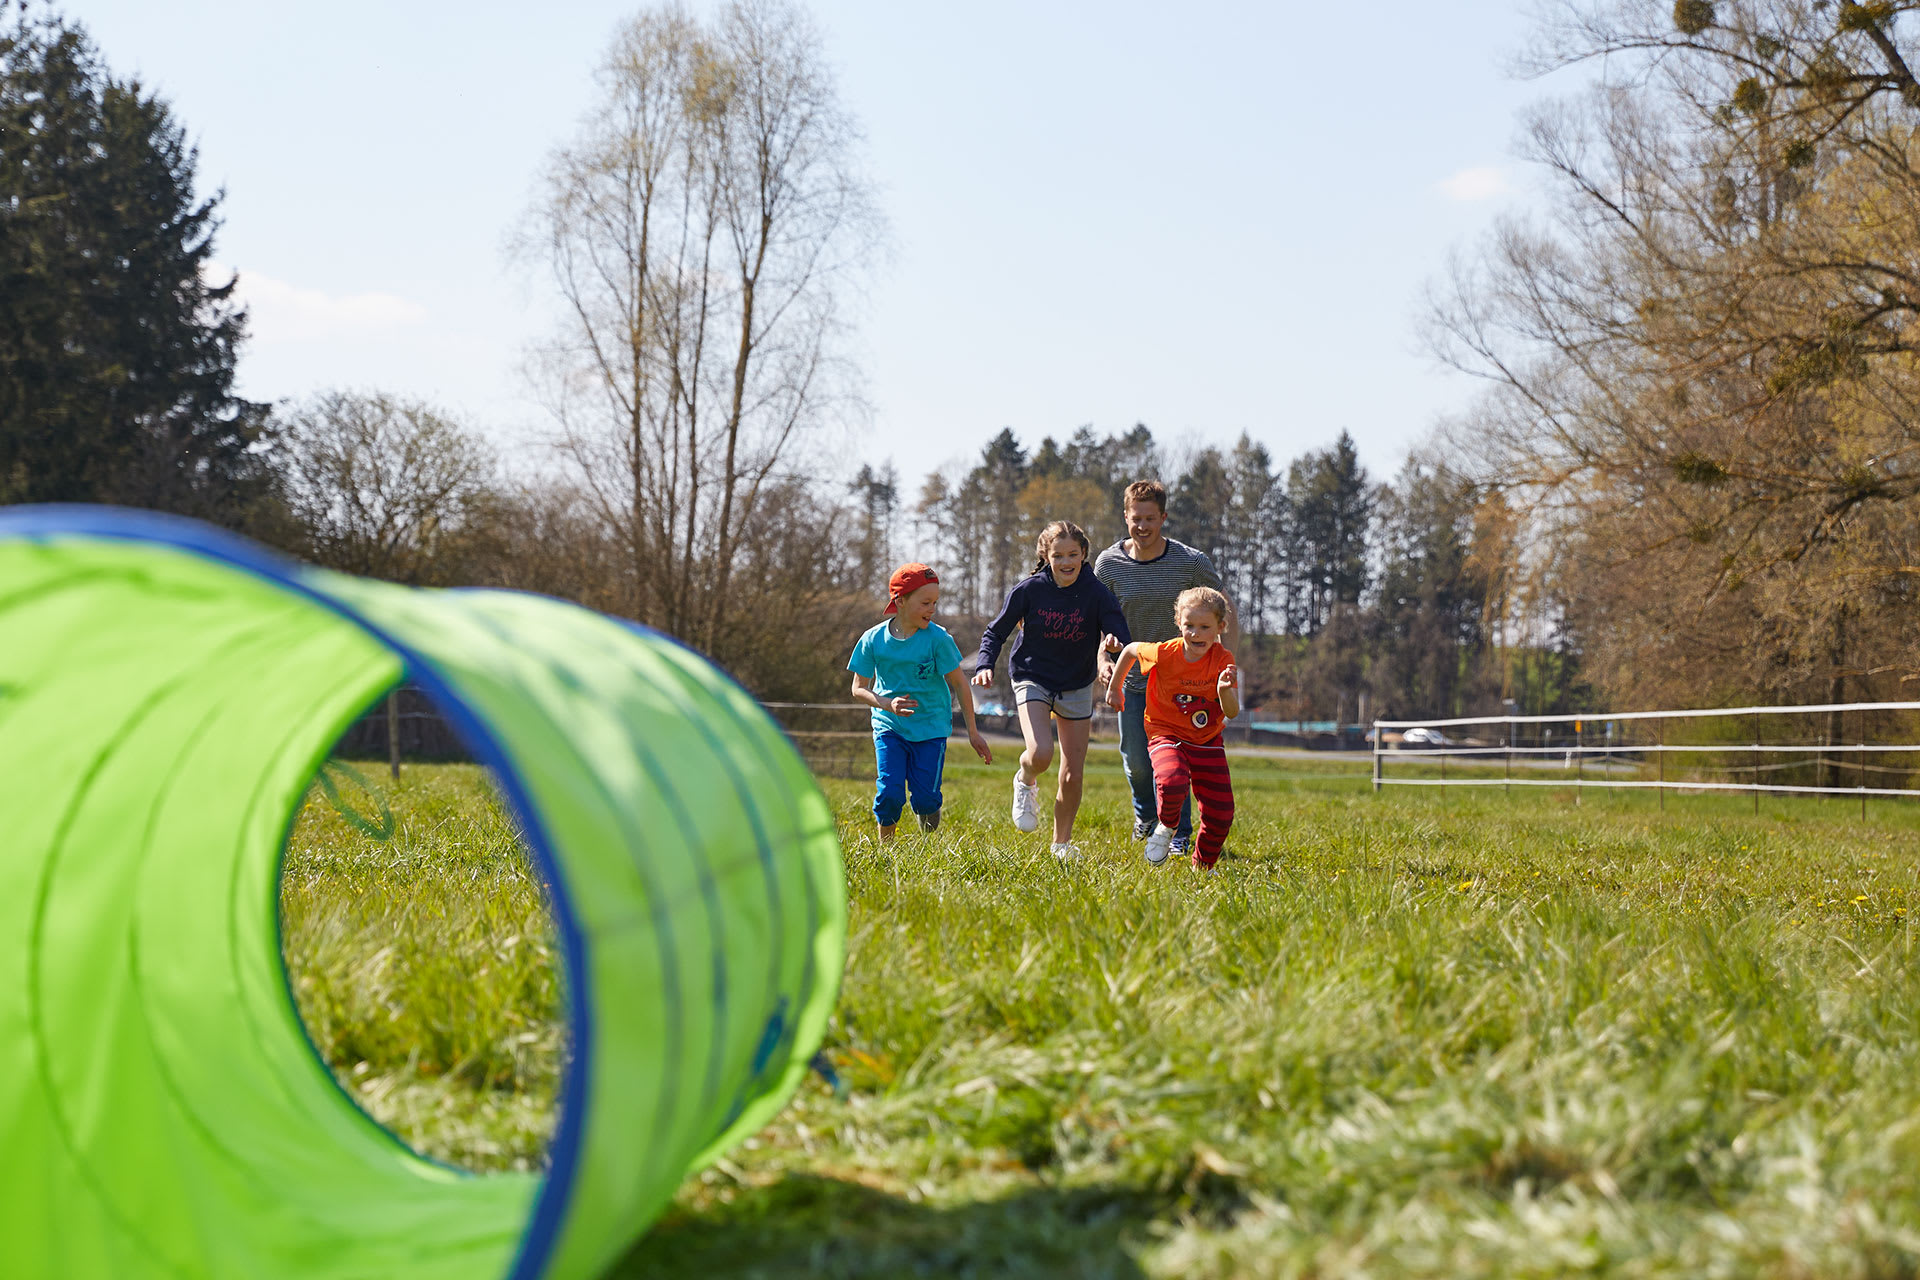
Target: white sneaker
1157,845
1064,852
1026,803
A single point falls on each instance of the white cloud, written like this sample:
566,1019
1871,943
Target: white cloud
1482,183
282,312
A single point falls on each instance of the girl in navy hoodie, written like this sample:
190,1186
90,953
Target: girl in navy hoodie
1063,612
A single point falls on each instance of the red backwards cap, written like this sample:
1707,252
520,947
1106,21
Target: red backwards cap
906,580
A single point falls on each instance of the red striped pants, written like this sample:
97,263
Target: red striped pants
1180,767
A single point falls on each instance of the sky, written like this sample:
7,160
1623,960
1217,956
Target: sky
1211,219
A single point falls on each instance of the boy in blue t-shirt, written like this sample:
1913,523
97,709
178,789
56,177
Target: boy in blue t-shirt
908,670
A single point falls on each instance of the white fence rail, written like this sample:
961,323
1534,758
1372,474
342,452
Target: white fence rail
1721,749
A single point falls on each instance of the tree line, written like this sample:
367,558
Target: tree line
1691,480
1404,599
701,230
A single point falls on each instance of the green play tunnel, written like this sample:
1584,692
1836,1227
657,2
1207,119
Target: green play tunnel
167,693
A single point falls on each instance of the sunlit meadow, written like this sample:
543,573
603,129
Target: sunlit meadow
1407,1034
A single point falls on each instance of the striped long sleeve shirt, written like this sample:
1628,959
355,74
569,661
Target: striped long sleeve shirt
1148,588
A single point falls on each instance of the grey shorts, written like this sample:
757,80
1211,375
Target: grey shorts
1074,704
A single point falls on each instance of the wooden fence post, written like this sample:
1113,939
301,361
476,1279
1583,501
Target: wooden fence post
393,732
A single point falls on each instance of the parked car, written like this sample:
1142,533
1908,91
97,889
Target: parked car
1420,737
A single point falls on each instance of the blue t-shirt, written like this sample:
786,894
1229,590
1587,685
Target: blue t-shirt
917,667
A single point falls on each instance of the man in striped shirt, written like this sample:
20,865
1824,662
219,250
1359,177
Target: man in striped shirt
1148,571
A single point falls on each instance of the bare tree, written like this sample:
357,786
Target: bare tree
702,232
381,483
542,536
1704,381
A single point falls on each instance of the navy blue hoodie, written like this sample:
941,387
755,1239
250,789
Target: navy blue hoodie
1060,628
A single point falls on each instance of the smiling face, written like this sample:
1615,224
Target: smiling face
917,606
1065,558
1144,518
1199,628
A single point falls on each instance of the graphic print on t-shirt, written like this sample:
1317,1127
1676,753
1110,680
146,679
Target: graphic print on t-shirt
1183,698
1196,710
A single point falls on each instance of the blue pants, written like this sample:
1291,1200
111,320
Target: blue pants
903,764
1138,762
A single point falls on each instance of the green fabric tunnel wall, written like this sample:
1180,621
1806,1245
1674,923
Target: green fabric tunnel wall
167,693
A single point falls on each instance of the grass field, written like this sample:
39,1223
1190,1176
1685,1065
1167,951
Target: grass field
1413,1034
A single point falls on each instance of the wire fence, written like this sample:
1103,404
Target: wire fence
1859,749
835,738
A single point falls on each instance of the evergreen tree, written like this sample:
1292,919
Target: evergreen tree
1332,501
1251,530
1129,456
1049,461
876,496
1428,646
995,486
1085,456
1199,506
116,352
1103,466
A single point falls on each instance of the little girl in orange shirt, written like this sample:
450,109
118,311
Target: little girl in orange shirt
1192,690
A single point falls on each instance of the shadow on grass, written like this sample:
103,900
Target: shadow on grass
804,1225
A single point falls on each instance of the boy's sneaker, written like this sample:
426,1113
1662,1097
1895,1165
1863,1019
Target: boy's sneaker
1143,827
928,821
1026,803
1157,844
1064,852
1179,846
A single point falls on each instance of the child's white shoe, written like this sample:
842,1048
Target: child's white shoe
1157,844
1063,851
1026,803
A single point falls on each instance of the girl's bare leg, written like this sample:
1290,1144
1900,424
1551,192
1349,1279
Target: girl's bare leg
1039,735
1073,766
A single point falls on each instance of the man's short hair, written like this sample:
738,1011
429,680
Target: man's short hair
1146,491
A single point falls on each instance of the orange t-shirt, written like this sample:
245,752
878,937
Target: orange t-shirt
1183,698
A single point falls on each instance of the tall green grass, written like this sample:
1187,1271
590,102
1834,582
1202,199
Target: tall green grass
1412,1034
423,963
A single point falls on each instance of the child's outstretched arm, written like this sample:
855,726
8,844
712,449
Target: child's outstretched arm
1116,683
995,636
963,694
1228,690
